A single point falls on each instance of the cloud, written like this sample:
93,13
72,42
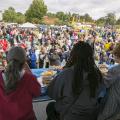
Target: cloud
96,8
19,5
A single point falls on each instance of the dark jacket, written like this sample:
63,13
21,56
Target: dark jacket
84,108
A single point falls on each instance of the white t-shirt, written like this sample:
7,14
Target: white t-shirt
37,54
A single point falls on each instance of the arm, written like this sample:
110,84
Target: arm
34,86
110,78
55,89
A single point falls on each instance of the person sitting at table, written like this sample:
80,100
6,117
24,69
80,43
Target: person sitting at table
111,110
76,88
54,58
17,88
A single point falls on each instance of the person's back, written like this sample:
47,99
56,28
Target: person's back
75,88
83,107
18,104
17,88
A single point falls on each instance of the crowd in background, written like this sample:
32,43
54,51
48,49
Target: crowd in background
81,90
51,46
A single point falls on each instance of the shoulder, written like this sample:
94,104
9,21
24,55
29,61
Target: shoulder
67,72
115,69
29,76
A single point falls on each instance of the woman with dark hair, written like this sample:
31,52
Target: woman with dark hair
17,88
76,88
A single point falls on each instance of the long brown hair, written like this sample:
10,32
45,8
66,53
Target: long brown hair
16,58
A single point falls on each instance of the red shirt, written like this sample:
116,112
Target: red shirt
23,45
18,104
4,44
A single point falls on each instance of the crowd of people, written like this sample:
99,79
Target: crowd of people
52,46
81,90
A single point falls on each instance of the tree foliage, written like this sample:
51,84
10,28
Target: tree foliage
118,22
36,10
87,18
101,21
110,19
20,18
60,15
51,15
9,15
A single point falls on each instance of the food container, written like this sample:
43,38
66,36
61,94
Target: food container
48,76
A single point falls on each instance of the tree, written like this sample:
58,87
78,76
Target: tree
88,18
20,18
81,19
75,17
118,22
60,15
101,21
110,19
36,20
52,15
9,15
36,10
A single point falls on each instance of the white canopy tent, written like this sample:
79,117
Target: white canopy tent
27,25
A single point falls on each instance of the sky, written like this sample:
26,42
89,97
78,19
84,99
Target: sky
96,8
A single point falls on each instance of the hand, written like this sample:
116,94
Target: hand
103,68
